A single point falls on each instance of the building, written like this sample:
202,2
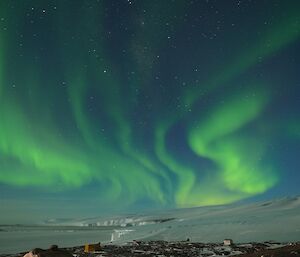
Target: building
228,242
90,248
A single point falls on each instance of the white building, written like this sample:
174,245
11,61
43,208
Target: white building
228,242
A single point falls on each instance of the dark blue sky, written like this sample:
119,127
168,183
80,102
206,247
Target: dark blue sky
138,105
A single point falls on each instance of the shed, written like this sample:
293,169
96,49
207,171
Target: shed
228,242
88,248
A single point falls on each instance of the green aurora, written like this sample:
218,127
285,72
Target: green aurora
88,101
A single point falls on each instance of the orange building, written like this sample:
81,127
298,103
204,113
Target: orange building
89,248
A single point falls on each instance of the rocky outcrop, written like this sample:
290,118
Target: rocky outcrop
53,251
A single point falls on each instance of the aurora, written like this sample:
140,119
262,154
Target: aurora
137,105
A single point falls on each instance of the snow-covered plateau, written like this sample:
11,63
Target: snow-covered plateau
277,220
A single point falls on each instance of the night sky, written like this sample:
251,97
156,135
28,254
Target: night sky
122,106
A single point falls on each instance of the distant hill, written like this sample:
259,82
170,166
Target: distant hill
270,220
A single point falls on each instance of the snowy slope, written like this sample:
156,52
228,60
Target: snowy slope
273,220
